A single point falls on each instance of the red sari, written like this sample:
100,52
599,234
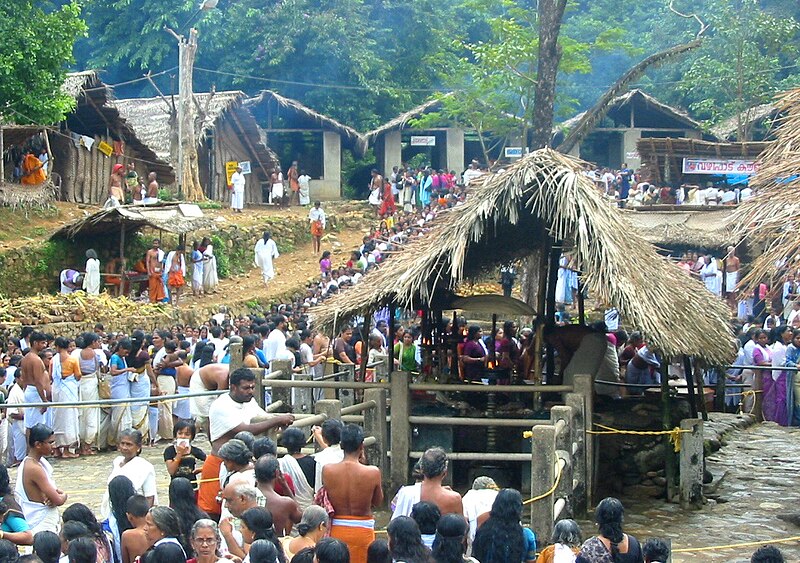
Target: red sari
387,207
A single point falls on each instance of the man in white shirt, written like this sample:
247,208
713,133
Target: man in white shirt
218,343
746,193
237,190
327,437
276,341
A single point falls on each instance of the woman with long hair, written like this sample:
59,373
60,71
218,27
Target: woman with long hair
263,551
120,489
450,542
89,417
12,521
140,381
81,513
257,524
566,543
762,356
405,541
473,356
182,501
502,539
611,544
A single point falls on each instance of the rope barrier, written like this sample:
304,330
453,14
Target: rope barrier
165,484
114,402
549,492
734,545
674,434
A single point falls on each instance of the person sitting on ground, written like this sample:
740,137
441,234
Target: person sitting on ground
426,515
405,541
313,527
182,501
82,550
206,542
767,554
81,513
433,465
502,539
264,551
71,531
120,490
301,468
285,511
47,547
654,550
134,540
163,526
566,543
451,540
610,541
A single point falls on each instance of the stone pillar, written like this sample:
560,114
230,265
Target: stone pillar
543,474
629,140
454,140
332,158
392,151
691,463
375,425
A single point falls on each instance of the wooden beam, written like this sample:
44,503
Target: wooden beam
249,144
102,116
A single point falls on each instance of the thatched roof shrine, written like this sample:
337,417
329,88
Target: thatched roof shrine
510,216
705,229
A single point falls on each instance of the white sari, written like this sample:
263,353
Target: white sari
210,279
303,492
65,420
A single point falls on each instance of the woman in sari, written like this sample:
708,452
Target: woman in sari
120,389
762,356
299,466
66,374
140,382
210,279
775,386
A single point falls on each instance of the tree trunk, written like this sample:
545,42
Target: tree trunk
189,171
551,12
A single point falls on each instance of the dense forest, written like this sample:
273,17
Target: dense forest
365,61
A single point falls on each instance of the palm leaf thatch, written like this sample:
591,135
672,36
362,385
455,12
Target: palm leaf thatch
771,219
402,120
546,193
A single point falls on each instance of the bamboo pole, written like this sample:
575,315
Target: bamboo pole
689,371
666,424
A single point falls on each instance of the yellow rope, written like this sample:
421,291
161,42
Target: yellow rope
552,489
734,545
674,434
166,484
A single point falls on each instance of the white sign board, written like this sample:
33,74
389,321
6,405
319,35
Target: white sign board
245,167
513,152
423,141
633,155
719,166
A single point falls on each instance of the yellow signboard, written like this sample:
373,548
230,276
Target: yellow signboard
105,148
230,168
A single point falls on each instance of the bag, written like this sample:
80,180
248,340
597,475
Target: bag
104,385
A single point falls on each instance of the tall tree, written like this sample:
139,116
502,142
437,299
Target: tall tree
35,50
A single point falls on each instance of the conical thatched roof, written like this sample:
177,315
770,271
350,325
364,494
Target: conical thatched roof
545,192
771,219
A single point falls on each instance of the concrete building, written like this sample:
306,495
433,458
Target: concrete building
315,141
633,116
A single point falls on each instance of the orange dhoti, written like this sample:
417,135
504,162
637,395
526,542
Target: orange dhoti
155,287
175,279
357,532
316,229
209,486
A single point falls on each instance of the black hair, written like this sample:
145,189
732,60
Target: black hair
182,501
501,537
207,355
167,552
767,554
352,438
61,342
241,374
405,541
8,552
39,433
183,424
473,331
73,529
448,545
247,438
259,520
26,330
331,550
426,515
609,515
293,440
82,550
37,337
47,545
305,555
332,431
655,549
264,551
266,445
215,331
81,513
137,505
378,552
120,489
266,468
293,343
5,482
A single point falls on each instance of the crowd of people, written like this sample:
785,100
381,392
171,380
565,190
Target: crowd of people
631,188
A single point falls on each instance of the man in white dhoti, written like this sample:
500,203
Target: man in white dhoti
276,191
91,281
237,190
305,183
708,275
265,251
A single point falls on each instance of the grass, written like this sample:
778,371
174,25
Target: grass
18,224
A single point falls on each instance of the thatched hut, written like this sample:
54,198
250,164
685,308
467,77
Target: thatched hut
538,204
771,219
675,230
226,132
78,167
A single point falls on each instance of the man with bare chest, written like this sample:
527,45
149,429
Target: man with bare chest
285,511
155,286
35,488
36,382
152,189
354,489
732,266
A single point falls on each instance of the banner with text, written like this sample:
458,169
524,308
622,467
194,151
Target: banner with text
423,141
719,166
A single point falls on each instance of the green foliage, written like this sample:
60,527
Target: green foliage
221,253
36,46
356,174
209,204
165,194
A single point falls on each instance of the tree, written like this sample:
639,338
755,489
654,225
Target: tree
748,52
36,47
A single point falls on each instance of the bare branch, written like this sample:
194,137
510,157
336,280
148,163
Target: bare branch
170,108
520,74
703,26
179,38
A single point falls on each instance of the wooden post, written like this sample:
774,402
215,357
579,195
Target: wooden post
330,407
375,425
578,504
282,393
400,429
390,344
2,157
259,391
237,357
758,398
720,390
543,475
581,304
689,371
362,372
691,456
347,396
666,424
563,445
584,386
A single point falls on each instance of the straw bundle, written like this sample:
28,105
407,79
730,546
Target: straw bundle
505,216
771,219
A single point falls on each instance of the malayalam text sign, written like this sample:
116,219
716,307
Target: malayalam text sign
719,166
423,141
513,152
230,168
245,167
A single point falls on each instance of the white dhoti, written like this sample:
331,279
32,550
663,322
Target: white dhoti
198,406
276,192
167,385
17,445
731,279
237,199
265,251
140,389
65,420
33,415
181,408
89,417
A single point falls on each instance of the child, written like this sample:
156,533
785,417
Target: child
325,264
134,541
181,457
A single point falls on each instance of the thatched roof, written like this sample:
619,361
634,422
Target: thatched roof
402,120
76,82
683,147
349,135
706,229
728,130
178,218
771,219
509,216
